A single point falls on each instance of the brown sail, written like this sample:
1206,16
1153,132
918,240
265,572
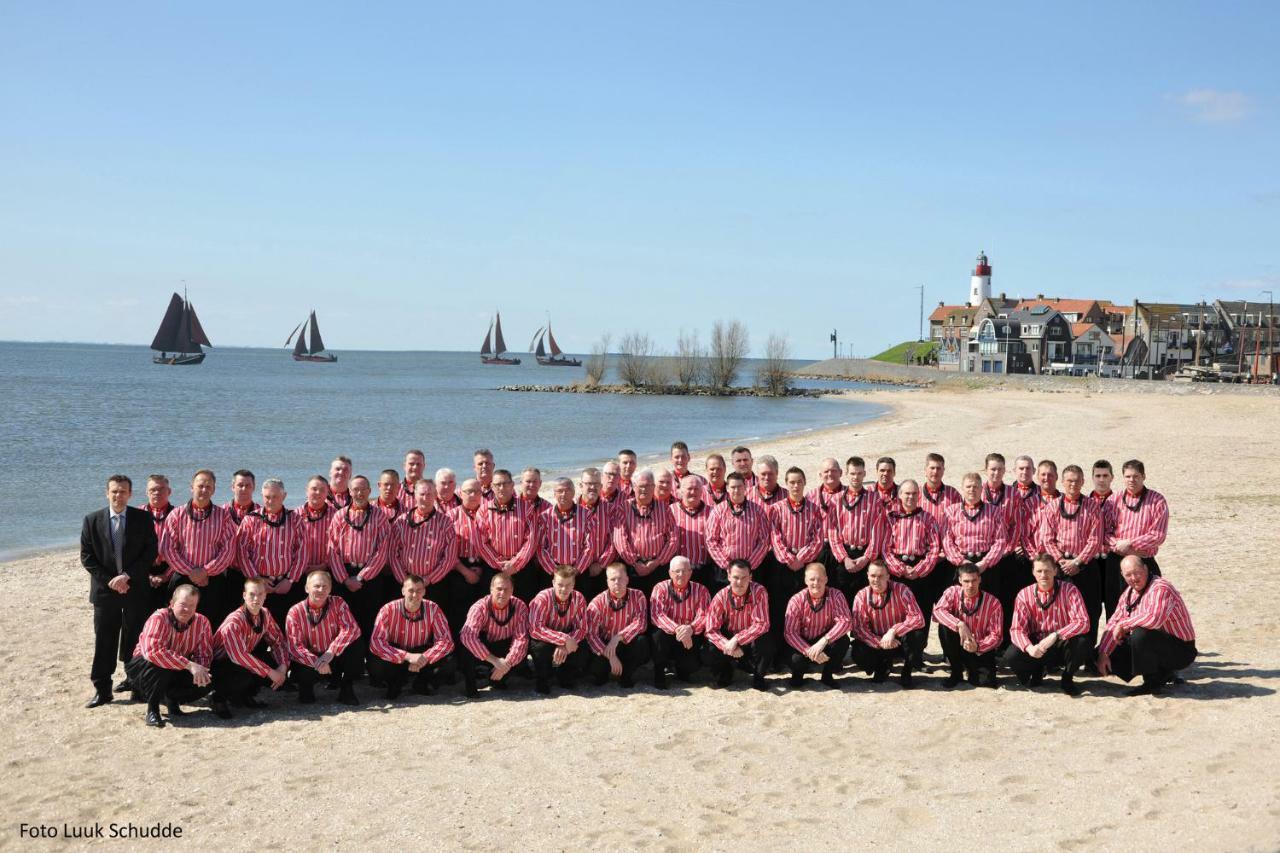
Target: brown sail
495,355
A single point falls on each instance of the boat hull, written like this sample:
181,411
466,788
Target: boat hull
179,359
484,359
320,359
560,362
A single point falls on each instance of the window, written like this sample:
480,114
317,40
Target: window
986,365
997,367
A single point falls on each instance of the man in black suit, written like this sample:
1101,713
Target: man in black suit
117,548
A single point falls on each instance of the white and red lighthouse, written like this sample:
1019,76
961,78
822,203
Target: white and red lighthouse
980,283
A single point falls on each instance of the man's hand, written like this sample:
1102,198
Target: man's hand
199,674
559,656
156,581
119,583
890,640
354,584
967,639
615,663
277,676
850,564
283,587
508,567
1123,548
570,645
416,661
795,564
861,563
1035,651
199,577
469,574
684,635
1104,665
500,668
815,652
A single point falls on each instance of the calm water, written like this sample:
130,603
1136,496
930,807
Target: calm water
74,413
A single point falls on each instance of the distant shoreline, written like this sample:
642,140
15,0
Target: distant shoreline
669,390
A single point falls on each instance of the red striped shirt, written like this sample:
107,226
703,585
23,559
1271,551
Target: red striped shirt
427,548
691,532
271,547
162,644
314,527
361,539
566,539
240,513
985,618
969,532
888,500
390,511
914,535
159,517
466,524
1143,521
668,610
313,632
486,625
1067,528
648,534
797,531
1039,506
1035,617
738,533
199,540
1159,607
396,632
607,616
338,500
806,623
237,637
1106,506
508,532
553,622
936,503
599,521
406,497
1015,511
760,499
874,615
745,618
857,521
826,500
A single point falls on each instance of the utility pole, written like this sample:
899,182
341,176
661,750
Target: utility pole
1271,323
920,334
835,345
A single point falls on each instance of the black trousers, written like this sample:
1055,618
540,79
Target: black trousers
670,652
869,658
158,684
836,651
213,596
529,581
1011,576
473,669
591,585
646,583
716,578
157,596
365,604
850,583
1089,581
116,626
278,605
231,681
757,655
782,584
345,666
568,672
961,659
633,655
396,674
1113,585
1069,654
928,589
1151,654
455,596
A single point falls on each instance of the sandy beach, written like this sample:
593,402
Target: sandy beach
700,768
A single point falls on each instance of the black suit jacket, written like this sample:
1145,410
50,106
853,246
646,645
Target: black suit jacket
99,558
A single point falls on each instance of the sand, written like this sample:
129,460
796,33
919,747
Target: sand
722,769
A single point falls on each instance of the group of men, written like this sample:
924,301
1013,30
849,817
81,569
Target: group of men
739,568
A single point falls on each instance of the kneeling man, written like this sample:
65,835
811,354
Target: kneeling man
322,636
1149,633
1050,628
678,611
249,651
410,637
496,634
816,626
970,627
558,631
738,628
887,624
171,661
616,623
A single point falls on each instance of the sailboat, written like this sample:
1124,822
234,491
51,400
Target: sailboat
301,352
557,358
492,353
180,335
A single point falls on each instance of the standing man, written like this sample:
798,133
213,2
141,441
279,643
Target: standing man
339,482
737,530
856,529
678,612
626,469
447,490
171,661
738,625
566,533
1015,508
887,624
322,636
415,462
664,488
644,534
496,634
767,491
410,638
424,544
611,481
1142,523
117,549
1071,533
744,465
911,554
158,507
558,632
827,492
975,534
388,500
690,514
598,517
1050,629
716,486
797,538
885,490
359,547
470,573
241,505
509,534
199,543
680,463
530,486
936,496
616,623
482,465
1150,633
270,545
313,519
249,651
817,623
970,627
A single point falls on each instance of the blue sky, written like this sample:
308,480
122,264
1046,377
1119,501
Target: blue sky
406,168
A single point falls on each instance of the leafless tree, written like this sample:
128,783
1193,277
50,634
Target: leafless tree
729,346
690,359
635,359
598,361
773,375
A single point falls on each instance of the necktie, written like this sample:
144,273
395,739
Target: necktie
117,540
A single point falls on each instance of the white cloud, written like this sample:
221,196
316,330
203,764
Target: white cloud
1214,106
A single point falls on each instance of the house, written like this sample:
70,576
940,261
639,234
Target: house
1073,310
1046,335
1092,346
950,326
1174,334
997,347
